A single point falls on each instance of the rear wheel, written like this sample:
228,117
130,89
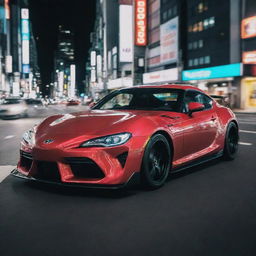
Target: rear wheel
156,162
231,142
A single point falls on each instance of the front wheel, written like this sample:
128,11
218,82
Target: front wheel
156,162
231,142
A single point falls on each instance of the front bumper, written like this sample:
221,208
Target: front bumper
133,179
89,167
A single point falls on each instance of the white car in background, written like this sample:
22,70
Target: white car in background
13,108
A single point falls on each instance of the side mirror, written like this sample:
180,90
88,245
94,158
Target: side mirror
194,107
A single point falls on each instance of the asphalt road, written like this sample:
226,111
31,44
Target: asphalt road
207,210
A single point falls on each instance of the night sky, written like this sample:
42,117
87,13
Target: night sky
46,16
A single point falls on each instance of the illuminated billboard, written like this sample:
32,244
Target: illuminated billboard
248,28
125,33
161,76
169,41
140,22
249,57
25,37
213,72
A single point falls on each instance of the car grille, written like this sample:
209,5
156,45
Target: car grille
25,160
47,171
83,167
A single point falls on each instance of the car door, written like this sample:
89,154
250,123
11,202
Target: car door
200,129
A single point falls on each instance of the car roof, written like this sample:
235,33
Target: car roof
171,86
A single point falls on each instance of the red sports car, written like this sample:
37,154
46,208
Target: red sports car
146,130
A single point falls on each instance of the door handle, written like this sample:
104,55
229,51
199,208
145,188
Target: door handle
213,118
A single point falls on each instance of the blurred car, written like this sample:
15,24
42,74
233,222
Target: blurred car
35,107
222,100
13,108
73,102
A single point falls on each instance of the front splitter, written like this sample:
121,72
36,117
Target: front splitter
18,174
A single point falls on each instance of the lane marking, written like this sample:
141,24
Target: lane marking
245,143
5,171
9,137
246,122
245,131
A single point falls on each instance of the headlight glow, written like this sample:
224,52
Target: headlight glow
108,141
29,136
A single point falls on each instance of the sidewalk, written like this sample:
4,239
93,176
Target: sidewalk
5,171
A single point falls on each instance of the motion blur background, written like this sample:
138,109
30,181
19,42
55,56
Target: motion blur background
56,50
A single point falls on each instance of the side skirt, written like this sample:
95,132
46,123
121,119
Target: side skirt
197,162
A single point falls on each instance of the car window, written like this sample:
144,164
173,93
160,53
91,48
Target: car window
206,101
161,99
118,101
193,96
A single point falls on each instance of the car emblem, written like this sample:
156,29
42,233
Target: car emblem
48,141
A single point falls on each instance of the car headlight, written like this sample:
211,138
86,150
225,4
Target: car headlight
29,136
108,141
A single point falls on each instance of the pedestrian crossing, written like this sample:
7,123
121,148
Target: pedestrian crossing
5,171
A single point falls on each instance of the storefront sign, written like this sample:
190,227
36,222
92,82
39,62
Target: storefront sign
161,76
213,72
125,33
249,87
169,41
248,27
249,57
141,22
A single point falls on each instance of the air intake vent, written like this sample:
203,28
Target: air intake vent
85,168
122,158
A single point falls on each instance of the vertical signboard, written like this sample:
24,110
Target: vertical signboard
72,80
60,82
125,33
169,41
8,64
7,9
25,37
99,66
140,22
93,58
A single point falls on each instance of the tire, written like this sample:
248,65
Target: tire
156,162
231,142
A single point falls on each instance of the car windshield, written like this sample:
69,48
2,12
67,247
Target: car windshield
11,101
165,99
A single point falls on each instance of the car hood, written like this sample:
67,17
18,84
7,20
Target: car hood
72,128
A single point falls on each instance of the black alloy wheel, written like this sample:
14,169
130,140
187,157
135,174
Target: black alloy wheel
231,142
156,162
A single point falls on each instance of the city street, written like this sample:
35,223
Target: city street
206,210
